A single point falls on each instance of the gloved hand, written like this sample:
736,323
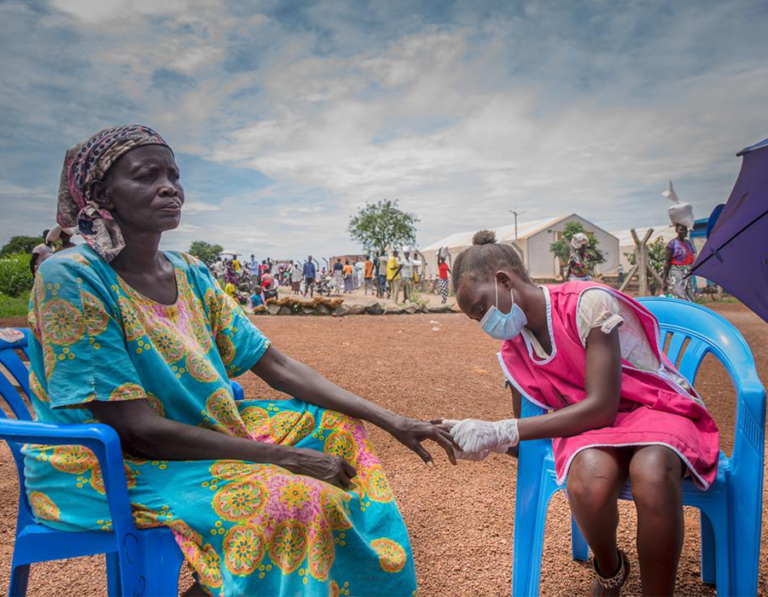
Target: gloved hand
477,439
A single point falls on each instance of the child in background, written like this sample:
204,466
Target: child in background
257,298
619,410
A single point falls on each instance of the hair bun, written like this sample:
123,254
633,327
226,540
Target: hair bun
484,237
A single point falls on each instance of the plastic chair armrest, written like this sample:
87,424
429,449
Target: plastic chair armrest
102,440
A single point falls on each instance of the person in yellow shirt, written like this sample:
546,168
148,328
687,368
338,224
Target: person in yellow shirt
229,288
393,276
369,275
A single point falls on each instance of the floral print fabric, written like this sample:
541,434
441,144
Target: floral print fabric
245,528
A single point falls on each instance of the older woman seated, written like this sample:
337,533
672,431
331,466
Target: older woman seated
264,497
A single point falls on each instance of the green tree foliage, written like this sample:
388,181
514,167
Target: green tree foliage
562,248
378,225
21,244
205,252
15,275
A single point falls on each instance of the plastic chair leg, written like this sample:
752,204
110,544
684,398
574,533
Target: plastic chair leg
163,560
745,564
579,545
708,551
530,520
112,561
19,579
722,549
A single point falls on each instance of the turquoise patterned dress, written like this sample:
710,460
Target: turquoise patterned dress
245,528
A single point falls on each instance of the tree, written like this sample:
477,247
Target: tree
205,252
562,248
21,244
378,225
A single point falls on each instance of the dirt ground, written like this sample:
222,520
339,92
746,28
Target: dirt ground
460,518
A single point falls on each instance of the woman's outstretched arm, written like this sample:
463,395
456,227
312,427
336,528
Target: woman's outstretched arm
296,379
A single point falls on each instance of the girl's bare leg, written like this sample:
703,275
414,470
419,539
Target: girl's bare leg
656,474
595,479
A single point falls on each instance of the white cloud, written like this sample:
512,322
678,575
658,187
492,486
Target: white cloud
461,115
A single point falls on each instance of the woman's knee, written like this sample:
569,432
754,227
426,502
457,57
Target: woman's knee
594,478
656,474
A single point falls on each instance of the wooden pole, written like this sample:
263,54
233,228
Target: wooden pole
642,263
631,273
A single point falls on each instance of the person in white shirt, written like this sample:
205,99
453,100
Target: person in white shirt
219,269
406,273
296,275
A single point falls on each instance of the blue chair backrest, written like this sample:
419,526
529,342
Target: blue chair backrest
706,332
690,332
10,359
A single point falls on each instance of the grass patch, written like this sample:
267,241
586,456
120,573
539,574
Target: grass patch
14,306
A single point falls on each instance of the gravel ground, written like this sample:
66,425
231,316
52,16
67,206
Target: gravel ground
460,518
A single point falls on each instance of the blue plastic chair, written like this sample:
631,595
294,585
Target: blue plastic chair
731,510
139,562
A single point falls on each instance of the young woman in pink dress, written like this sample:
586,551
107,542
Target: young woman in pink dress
618,409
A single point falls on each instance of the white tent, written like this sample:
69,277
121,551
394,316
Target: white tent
532,242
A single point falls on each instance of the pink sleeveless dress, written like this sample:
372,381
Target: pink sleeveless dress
653,409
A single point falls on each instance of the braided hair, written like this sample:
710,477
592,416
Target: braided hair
485,257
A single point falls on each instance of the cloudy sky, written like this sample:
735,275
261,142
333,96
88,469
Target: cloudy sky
287,116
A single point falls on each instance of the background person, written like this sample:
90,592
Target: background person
348,277
359,274
442,275
679,258
61,235
393,276
219,270
296,276
406,272
578,264
382,278
154,362
369,274
310,276
338,276
270,286
256,299
41,252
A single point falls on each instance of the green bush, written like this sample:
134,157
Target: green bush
13,306
15,277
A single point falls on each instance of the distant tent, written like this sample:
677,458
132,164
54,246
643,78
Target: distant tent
532,243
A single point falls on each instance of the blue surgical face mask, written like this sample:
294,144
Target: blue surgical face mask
503,326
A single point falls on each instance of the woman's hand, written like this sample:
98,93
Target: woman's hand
476,439
411,432
325,467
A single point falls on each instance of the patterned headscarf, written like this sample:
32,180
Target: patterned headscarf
87,163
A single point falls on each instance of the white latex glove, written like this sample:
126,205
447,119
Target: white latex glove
476,439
